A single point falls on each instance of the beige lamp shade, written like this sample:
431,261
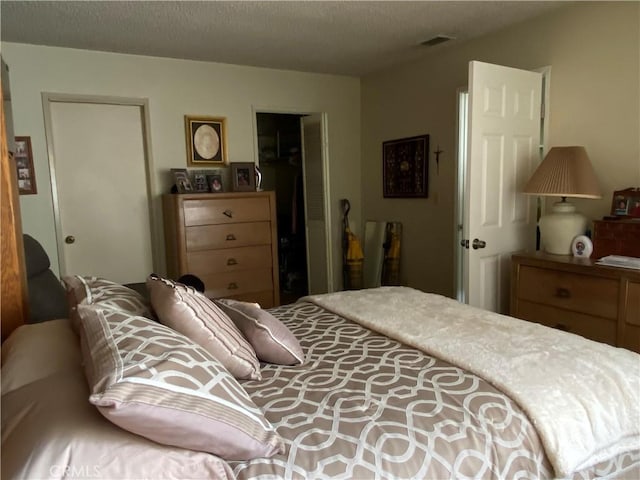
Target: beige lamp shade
564,172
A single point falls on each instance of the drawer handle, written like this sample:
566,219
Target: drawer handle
232,286
231,237
563,293
561,326
228,213
232,261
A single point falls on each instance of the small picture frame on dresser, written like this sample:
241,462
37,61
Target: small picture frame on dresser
182,180
626,203
243,177
582,246
216,184
200,183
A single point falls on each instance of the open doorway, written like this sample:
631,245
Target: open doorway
281,163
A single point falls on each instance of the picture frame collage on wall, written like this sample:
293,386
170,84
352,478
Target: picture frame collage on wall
23,156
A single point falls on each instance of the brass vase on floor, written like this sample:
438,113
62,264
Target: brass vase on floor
391,264
351,253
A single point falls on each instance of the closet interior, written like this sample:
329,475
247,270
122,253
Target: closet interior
280,160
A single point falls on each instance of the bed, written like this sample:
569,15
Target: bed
379,383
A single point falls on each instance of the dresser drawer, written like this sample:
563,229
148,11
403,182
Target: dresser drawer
228,210
230,284
595,328
206,237
632,315
591,295
206,262
631,325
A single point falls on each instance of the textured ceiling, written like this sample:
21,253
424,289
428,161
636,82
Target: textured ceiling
344,37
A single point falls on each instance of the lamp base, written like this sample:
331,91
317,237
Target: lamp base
560,227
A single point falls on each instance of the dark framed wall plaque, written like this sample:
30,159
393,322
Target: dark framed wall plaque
405,167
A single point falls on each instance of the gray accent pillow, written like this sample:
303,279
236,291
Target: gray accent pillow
47,300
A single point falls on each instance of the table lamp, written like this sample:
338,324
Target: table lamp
564,172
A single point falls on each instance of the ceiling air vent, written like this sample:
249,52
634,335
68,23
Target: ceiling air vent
436,40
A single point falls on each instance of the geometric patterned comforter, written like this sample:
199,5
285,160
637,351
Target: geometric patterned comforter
365,406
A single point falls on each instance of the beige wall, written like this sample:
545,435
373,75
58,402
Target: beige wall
594,52
175,88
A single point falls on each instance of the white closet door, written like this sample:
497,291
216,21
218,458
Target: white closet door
315,209
100,180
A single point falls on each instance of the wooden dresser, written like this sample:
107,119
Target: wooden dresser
576,295
229,240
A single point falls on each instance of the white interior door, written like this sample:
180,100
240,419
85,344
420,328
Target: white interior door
313,148
101,190
504,136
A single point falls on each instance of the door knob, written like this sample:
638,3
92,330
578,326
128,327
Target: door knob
70,239
478,244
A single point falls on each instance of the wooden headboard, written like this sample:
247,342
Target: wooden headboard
13,284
